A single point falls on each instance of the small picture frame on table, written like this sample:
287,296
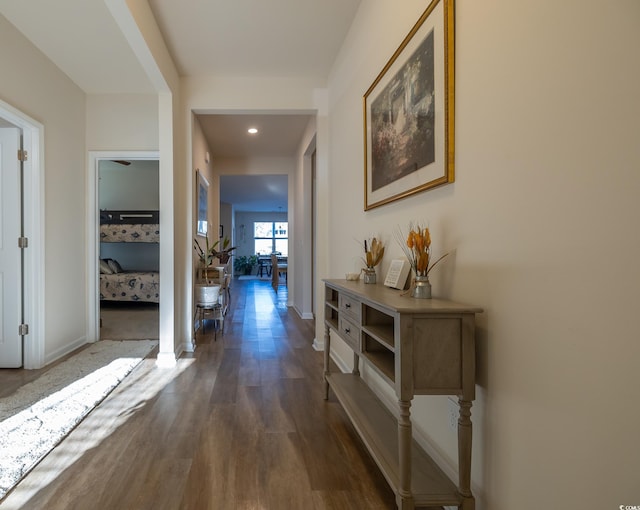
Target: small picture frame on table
397,274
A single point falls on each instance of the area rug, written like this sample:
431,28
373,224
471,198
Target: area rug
40,414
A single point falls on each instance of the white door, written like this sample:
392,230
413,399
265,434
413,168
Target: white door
10,253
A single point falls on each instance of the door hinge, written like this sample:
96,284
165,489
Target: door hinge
23,242
23,329
23,155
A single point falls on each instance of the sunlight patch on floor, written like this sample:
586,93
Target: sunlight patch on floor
121,404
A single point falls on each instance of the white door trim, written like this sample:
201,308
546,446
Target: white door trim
34,256
93,227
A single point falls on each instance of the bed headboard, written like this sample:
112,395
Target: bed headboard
112,217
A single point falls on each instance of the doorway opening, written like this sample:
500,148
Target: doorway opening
129,266
254,208
124,245
259,145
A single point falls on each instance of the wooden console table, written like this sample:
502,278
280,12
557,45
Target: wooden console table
419,347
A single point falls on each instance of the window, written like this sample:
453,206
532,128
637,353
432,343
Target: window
271,236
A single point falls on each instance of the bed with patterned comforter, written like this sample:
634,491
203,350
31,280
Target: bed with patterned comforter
129,228
141,286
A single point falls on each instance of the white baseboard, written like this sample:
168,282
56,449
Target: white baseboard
187,346
65,349
344,368
303,315
166,359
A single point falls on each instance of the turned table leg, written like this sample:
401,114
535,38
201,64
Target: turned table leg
327,351
465,431
405,497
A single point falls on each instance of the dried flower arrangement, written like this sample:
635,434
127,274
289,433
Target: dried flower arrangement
417,247
373,251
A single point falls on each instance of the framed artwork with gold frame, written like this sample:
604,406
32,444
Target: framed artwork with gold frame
409,113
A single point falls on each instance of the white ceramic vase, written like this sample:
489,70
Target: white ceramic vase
206,295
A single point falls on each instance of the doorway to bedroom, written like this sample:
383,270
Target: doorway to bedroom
129,248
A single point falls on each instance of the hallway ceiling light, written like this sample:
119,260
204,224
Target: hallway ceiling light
252,131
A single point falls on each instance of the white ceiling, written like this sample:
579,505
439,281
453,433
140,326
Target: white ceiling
278,135
254,37
263,193
240,38
82,38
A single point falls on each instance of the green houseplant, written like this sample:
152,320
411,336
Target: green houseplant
224,255
245,264
211,252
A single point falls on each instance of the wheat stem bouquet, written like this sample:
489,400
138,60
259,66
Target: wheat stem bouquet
417,248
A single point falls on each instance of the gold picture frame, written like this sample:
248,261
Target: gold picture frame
409,113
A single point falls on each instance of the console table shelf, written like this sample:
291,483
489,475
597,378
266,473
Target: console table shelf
377,427
381,334
383,364
418,347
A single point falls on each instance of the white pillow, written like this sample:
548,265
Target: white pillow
114,266
104,267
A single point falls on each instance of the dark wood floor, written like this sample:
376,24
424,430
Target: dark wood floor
240,424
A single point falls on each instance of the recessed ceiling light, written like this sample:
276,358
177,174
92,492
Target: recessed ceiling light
252,131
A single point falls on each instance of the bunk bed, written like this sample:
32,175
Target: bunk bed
129,228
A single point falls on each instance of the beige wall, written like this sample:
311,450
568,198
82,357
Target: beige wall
199,148
122,122
33,85
302,236
541,224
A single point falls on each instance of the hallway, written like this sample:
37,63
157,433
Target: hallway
239,424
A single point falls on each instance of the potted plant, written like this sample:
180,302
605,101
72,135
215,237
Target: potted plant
224,255
245,264
210,253
206,295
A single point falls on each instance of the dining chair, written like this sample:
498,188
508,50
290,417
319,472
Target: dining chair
277,269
